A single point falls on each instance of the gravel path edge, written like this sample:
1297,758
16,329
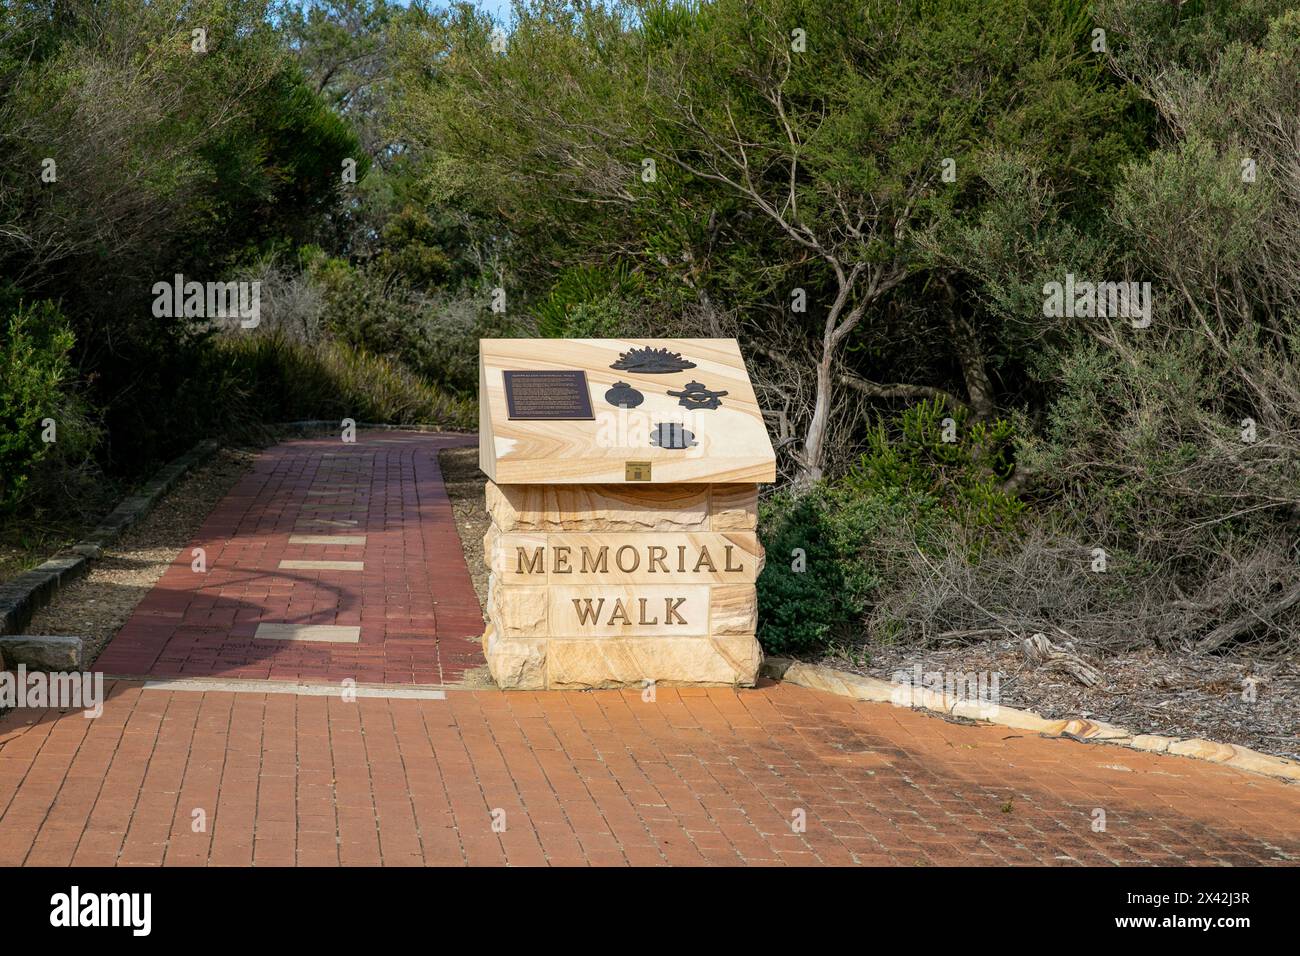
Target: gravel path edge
29,592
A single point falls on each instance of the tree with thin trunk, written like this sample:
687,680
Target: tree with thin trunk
773,159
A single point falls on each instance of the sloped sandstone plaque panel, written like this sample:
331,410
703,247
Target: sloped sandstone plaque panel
730,441
614,561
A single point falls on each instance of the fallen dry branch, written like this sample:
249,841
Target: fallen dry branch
1244,624
1041,651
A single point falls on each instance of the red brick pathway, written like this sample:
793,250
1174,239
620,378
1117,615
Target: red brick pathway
414,603
695,777
775,775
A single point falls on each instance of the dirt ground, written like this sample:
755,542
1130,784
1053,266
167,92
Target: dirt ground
1149,691
465,485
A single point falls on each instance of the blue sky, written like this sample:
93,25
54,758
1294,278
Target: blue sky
500,9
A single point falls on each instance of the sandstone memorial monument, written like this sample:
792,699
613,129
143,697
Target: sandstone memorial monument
623,495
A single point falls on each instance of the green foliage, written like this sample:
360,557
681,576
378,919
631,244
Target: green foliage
270,378
586,302
779,168
807,603
1190,207
369,308
1187,37
415,248
909,491
275,177
883,90
35,378
168,161
801,595
961,477
1152,449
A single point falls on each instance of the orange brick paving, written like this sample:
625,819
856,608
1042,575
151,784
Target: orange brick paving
695,777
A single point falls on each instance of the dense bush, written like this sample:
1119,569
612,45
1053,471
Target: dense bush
940,461
801,593
36,399
910,495
780,193
432,333
587,302
270,378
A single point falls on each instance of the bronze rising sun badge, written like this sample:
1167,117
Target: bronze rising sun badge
651,361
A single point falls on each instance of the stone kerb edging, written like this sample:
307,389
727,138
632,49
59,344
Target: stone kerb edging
32,590
859,687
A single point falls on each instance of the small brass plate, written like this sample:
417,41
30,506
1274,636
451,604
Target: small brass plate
638,471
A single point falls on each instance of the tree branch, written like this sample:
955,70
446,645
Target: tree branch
900,390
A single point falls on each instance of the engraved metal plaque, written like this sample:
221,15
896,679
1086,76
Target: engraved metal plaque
672,435
548,395
637,471
651,361
698,398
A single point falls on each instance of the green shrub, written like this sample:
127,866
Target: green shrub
959,479
416,248
910,490
800,590
35,386
270,378
587,302
377,311
817,579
